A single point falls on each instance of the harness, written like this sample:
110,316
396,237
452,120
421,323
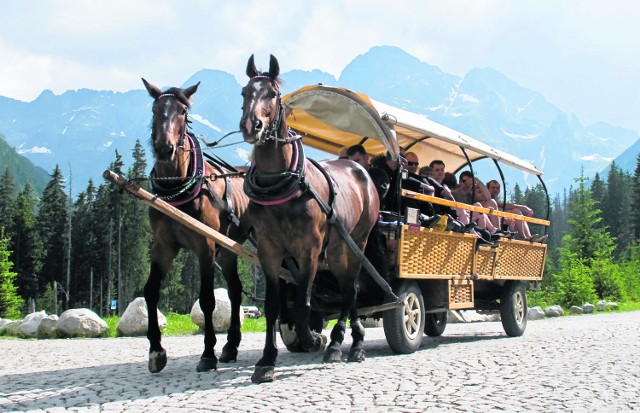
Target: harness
190,188
292,183
192,185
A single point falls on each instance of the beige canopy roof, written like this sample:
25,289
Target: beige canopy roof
330,118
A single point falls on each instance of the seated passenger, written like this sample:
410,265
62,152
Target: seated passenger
514,225
357,154
389,202
463,194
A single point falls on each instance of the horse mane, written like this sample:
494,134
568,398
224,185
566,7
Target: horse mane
177,92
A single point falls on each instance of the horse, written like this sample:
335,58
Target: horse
298,207
183,178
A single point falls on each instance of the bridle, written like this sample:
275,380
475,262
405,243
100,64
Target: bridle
274,127
191,184
186,118
289,183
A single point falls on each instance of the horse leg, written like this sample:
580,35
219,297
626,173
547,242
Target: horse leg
161,258
349,294
333,354
229,264
309,340
264,370
357,353
208,360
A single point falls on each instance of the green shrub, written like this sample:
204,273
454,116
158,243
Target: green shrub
607,280
574,284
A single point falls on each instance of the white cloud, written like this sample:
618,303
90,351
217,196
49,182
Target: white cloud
579,58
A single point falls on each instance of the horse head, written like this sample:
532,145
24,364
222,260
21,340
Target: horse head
169,125
262,111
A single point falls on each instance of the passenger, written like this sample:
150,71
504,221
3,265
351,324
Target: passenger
390,201
515,225
358,154
425,171
437,170
412,163
342,153
450,180
463,193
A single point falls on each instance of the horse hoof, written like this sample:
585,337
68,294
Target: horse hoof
356,356
263,374
157,361
332,355
207,364
320,343
229,355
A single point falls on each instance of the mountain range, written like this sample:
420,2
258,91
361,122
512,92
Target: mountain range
80,129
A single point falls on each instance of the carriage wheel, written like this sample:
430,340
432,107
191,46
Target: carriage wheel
289,336
513,308
435,323
404,326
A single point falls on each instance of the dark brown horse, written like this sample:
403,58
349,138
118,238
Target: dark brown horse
181,177
294,208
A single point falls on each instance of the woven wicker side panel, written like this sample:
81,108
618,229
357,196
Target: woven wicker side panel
460,294
431,252
484,261
517,259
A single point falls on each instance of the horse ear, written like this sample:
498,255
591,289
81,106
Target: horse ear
251,68
274,67
188,92
154,92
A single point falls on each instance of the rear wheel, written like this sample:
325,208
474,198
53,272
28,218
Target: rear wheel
289,335
404,325
435,323
513,308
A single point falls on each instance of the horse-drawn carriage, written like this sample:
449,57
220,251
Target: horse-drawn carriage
438,270
317,218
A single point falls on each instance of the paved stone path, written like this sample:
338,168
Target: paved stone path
587,363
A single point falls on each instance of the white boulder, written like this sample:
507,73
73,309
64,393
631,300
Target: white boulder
29,325
135,319
221,314
553,311
602,305
47,327
81,322
576,310
587,308
535,313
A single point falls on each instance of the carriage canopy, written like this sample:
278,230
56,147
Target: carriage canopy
330,118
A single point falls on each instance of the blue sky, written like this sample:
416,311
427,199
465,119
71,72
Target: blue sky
583,56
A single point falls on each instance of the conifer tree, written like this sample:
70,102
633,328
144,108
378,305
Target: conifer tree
52,229
10,301
136,233
598,190
586,238
635,203
7,188
27,247
83,234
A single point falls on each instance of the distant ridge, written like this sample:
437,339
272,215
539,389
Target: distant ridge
22,169
85,127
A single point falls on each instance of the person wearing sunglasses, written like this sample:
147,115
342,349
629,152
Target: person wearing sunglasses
412,163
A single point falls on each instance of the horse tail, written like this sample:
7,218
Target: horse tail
376,251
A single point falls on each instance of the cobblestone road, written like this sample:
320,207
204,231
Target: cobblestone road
588,363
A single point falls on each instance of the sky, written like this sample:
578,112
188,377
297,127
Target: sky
583,56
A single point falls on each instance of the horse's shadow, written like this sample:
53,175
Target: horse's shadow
86,386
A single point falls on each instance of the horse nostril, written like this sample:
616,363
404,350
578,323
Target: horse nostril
258,124
165,151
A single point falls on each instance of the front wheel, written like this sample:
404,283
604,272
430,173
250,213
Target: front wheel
404,325
513,308
435,323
